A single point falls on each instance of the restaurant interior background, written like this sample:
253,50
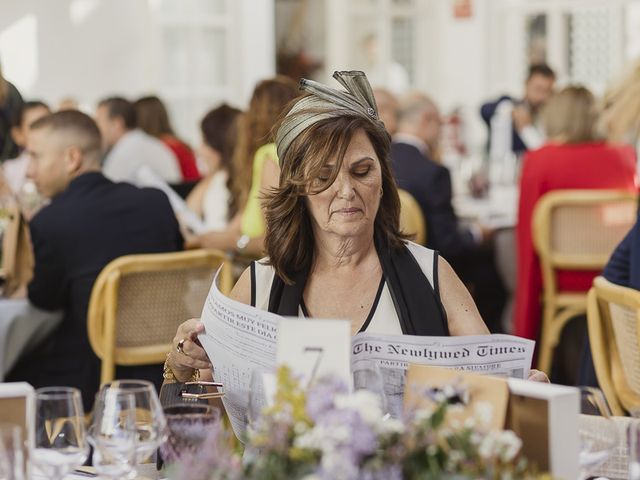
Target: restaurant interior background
196,53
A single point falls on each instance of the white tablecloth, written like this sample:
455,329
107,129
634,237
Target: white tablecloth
22,327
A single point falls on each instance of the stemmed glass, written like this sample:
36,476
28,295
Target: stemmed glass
60,444
112,434
151,425
598,432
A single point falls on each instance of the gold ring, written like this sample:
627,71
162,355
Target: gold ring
180,346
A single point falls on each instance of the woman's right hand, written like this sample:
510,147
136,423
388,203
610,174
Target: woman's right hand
190,355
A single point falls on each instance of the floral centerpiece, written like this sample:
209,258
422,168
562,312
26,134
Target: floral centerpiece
328,433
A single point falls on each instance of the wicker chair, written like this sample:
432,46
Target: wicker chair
138,301
613,318
575,230
411,218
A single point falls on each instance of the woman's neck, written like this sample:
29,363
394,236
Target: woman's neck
348,253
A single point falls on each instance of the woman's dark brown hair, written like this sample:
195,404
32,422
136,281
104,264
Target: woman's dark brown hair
152,117
289,238
219,131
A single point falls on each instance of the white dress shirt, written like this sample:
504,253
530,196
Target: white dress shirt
135,149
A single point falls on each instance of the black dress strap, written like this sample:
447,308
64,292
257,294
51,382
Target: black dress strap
416,303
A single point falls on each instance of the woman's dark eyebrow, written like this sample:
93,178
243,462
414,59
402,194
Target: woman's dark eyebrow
362,160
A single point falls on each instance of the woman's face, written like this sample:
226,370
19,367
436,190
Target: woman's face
349,206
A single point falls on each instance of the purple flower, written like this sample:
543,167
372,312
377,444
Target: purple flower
320,397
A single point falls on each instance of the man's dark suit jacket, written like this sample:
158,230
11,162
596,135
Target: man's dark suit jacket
430,184
623,267
488,110
91,223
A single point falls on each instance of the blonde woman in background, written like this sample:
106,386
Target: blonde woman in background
255,170
574,157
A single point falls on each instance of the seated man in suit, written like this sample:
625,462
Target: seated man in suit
465,248
89,222
512,124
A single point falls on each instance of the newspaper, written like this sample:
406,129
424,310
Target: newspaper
498,355
145,176
240,339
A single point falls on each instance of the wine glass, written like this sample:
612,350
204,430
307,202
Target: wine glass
598,432
113,434
151,425
11,452
60,443
189,425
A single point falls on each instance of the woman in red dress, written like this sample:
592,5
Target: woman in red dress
573,158
154,120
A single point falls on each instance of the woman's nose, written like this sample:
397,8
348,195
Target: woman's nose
345,186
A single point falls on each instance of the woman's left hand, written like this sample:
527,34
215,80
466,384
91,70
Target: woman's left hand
538,376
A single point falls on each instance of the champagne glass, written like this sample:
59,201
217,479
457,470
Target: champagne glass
113,434
189,425
11,452
151,425
598,432
60,444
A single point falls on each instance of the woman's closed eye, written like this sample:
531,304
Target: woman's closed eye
361,171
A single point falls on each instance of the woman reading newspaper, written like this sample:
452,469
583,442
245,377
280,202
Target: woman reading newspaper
333,241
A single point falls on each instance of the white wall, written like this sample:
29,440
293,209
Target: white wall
90,49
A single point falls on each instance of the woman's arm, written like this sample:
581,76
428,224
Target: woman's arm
193,355
196,196
462,314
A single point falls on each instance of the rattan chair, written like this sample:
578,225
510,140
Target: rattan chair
575,230
138,301
411,218
613,318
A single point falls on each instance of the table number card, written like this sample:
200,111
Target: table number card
315,348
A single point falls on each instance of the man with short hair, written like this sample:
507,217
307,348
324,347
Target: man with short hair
429,182
128,148
89,222
512,124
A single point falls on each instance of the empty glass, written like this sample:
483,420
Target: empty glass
151,425
11,452
60,443
598,433
113,434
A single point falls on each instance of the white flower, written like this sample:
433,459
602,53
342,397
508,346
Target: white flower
366,403
503,445
483,412
389,426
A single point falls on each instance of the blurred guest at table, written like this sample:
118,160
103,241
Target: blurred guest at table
15,169
10,105
467,248
254,170
333,240
211,197
387,109
152,118
127,147
89,222
68,103
513,125
573,158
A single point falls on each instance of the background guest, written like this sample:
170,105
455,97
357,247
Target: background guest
255,169
419,127
573,158
513,125
153,119
127,148
211,197
387,109
10,105
15,169
89,222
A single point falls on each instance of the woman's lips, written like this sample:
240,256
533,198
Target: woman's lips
348,211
